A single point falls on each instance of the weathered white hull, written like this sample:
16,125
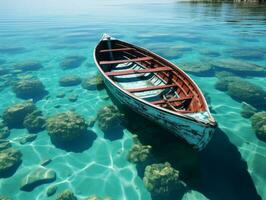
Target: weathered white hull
197,128
193,132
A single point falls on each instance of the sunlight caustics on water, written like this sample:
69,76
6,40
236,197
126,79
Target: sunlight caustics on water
203,39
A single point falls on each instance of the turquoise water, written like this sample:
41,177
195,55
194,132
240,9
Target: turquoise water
231,167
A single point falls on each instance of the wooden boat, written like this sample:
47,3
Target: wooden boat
155,88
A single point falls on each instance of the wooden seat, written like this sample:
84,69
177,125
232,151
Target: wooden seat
151,88
118,49
176,104
146,58
163,101
127,72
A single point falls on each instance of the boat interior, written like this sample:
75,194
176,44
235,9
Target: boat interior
149,77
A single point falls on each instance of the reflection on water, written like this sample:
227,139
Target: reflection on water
217,41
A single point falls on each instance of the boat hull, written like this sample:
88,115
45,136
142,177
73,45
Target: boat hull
195,133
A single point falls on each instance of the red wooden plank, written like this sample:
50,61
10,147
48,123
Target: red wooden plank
127,60
127,72
173,107
151,88
170,100
119,49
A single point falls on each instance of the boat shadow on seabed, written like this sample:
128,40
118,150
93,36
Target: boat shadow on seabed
224,174
218,172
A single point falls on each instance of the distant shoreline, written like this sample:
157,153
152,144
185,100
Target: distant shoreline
224,1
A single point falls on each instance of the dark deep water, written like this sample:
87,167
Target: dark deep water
213,37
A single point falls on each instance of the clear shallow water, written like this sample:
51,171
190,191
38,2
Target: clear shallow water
232,166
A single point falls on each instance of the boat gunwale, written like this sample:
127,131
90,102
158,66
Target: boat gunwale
211,121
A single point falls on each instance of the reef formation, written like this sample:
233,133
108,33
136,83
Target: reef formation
10,159
242,90
70,62
162,180
66,127
31,88
109,117
15,114
69,80
28,65
259,124
92,83
66,195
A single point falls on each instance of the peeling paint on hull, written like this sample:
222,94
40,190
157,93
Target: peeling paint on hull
195,133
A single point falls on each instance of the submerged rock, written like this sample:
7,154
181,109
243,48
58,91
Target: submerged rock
93,83
28,138
109,117
66,127
51,190
209,53
259,125
169,52
69,80
95,197
15,114
4,131
37,177
4,198
162,180
223,74
34,122
9,161
71,62
194,195
198,69
139,153
30,65
247,110
66,195
73,98
242,90
29,88
61,95
222,84
239,67
247,54
249,93
4,144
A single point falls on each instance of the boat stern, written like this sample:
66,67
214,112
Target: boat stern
205,129
206,137
203,117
